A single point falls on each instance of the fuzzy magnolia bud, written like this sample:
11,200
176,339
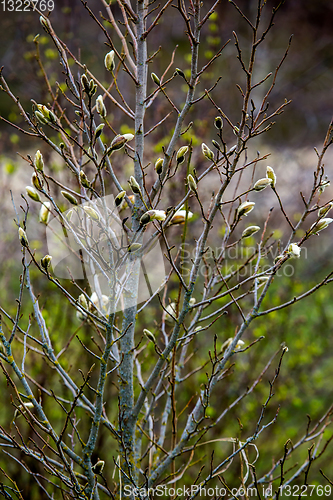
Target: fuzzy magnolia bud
23,237
134,185
192,302
245,208
294,250
270,174
191,183
155,79
218,122
85,83
32,193
119,198
92,214
109,61
98,467
324,210
84,180
119,142
69,197
48,115
180,72
159,166
250,231
46,261
170,311
44,213
208,153
277,258
153,214
134,247
262,184
99,130
40,118
83,301
39,162
216,145
262,280
320,225
324,184
36,181
150,336
180,216
100,107
180,157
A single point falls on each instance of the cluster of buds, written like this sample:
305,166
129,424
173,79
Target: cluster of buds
152,215
245,208
250,231
180,156
45,115
89,86
208,153
109,61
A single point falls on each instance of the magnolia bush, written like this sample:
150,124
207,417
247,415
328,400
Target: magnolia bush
139,244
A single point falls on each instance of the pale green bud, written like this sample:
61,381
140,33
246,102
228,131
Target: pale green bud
134,185
191,183
83,301
157,214
150,336
46,261
155,79
92,214
218,122
250,231
270,174
43,21
192,302
84,180
208,153
119,198
325,209
32,193
39,162
262,280
69,197
277,258
294,251
180,157
23,237
320,225
36,181
323,186
180,72
85,84
98,467
40,118
45,212
159,166
170,311
99,130
118,142
245,208
109,61
134,247
262,184
180,216
100,107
